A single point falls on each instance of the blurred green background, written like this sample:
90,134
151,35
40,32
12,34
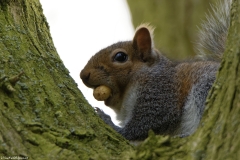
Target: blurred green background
176,23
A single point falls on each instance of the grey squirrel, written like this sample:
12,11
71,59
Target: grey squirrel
149,91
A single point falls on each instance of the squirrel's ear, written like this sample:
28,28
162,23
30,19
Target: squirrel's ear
143,42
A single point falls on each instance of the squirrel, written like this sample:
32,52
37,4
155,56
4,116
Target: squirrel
152,92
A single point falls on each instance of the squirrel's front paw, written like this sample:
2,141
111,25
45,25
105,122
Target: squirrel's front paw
106,118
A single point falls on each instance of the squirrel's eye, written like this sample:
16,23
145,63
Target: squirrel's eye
120,57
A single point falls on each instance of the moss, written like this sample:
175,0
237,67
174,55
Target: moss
47,116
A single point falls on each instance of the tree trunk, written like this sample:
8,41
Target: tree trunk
44,116
176,23
218,137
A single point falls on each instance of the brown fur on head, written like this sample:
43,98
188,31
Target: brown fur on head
110,68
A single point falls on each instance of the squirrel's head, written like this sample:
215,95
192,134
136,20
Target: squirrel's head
115,65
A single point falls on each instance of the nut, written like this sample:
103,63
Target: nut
102,93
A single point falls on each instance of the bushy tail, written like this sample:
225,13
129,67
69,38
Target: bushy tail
214,31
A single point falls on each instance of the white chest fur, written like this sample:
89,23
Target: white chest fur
129,100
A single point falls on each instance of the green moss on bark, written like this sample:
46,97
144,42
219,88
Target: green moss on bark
46,117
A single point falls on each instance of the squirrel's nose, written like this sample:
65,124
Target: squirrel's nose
84,75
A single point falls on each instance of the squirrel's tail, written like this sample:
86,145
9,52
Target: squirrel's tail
214,31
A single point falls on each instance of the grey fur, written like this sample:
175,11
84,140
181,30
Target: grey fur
166,97
156,102
214,31
195,103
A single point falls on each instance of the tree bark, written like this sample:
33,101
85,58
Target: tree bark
44,116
